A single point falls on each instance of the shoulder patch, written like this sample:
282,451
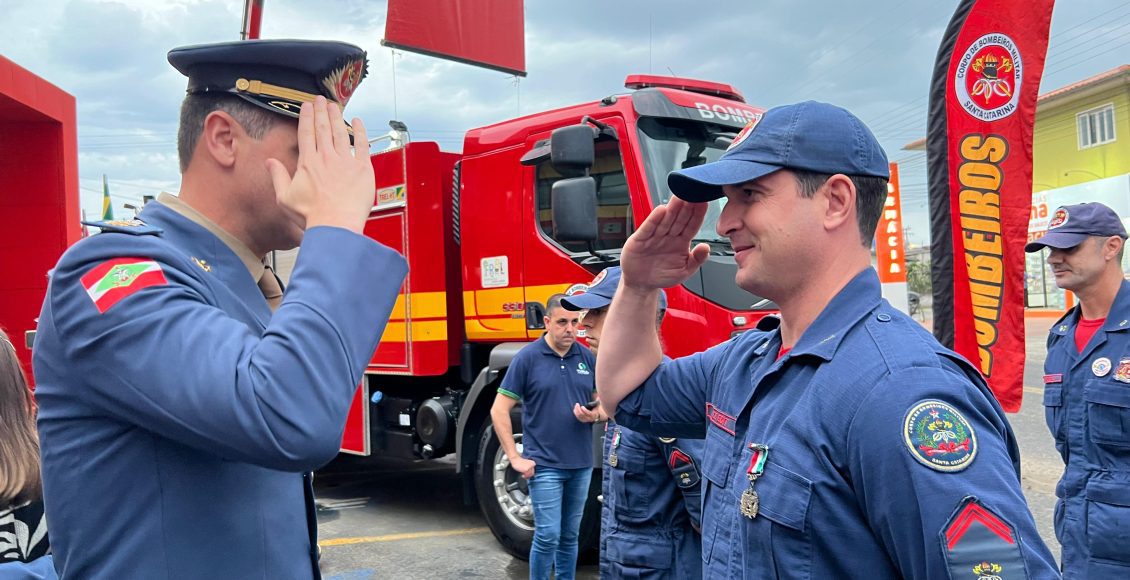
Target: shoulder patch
939,437
980,545
134,227
112,280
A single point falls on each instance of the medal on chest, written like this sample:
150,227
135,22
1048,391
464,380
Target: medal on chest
612,457
750,502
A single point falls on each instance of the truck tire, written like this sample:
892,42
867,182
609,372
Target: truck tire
505,502
503,495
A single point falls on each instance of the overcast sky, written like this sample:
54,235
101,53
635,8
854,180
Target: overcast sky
875,58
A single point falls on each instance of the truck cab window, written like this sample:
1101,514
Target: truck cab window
614,205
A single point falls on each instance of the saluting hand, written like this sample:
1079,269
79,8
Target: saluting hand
658,254
333,184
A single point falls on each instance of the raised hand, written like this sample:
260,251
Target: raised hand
333,184
658,254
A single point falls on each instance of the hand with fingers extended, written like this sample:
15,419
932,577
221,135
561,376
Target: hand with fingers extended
333,184
658,254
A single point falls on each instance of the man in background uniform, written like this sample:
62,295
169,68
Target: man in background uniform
652,492
1087,390
848,442
179,416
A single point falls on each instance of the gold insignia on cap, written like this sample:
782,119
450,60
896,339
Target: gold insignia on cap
268,90
343,80
203,265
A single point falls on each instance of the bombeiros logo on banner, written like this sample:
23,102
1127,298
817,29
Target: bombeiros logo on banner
988,77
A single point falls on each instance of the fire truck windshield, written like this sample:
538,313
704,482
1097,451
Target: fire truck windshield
670,144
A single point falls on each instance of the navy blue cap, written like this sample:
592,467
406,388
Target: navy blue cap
810,136
1071,224
599,292
278,75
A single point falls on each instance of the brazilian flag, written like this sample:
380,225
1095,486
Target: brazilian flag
107,207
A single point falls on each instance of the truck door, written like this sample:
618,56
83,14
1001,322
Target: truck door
553,265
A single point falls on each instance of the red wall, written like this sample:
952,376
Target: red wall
38,193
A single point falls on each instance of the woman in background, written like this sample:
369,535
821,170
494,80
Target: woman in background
24,549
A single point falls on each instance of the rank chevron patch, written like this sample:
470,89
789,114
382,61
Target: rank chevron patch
979,543
112,280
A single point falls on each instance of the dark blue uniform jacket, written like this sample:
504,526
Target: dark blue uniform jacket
178,415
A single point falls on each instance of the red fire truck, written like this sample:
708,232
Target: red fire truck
531,207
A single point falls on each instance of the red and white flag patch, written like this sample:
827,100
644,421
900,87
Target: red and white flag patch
113,280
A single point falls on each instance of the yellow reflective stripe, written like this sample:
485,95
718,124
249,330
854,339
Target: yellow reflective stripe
424,305
423,331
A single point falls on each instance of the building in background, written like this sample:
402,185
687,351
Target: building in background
1081,152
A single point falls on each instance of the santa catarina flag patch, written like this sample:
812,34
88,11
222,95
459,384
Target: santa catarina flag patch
113,280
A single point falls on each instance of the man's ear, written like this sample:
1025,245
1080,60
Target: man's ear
839,195
219,137
1112,246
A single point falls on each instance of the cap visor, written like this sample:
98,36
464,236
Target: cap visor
1057,240
586,301
704,182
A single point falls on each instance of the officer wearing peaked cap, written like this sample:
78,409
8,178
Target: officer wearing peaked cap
652,490
847,442
1087,390
183,400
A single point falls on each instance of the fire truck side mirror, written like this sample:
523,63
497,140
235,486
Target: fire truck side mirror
571,149
574,209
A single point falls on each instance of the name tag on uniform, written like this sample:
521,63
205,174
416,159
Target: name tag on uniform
1051,379
721,419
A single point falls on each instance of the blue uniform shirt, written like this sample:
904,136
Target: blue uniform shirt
1087,403
652,504
177,414
548,385
887,455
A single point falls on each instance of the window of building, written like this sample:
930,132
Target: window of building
1096,126
614,205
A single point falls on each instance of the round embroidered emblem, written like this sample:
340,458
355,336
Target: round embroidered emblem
939,437
1059,218
1101,367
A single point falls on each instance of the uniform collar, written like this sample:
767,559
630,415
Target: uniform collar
546,349
1116,320
847,308
253,263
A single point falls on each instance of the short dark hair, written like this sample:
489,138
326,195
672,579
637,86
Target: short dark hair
554,302
870,196
196,107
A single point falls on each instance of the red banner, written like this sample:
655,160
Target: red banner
979,153
488,34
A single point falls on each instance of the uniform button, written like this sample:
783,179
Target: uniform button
884,317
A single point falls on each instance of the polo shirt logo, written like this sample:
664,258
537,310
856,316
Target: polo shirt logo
583,369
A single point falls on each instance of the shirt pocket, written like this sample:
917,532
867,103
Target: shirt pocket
630,485
1108,520
1108,415
718,503
1053,410
636,556
785,499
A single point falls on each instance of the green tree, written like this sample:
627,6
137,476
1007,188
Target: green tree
918,277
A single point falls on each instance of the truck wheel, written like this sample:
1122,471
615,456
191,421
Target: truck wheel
504,496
